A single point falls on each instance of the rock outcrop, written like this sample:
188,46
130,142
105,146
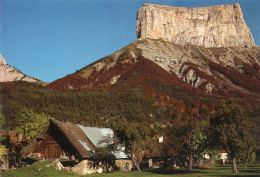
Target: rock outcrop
192,64
215,26
9,73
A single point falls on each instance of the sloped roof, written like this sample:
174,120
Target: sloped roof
96,135
118,155
77,138
84,139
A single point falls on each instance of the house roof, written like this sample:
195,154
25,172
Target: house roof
84,139
96,135
118,155
77,138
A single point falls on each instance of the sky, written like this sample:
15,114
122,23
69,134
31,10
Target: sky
50,39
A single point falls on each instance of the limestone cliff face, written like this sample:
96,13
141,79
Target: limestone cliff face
215,26
9,73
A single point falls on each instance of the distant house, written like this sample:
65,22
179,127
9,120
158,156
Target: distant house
223,157
73,142
157,160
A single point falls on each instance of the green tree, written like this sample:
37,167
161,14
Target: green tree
232,129
29,123
105,146
247,151
200,142
189,138
136,137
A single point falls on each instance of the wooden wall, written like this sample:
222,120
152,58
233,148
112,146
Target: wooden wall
53,145
49,148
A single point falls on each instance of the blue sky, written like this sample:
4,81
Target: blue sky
52,38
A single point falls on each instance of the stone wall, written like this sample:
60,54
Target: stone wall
124,165
84,167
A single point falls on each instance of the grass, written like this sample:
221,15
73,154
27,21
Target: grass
218,171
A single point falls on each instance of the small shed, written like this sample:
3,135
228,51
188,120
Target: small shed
122,162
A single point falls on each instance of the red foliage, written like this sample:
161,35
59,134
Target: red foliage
238,78
14,136
72,80
252,71
256,66
143,69
10,84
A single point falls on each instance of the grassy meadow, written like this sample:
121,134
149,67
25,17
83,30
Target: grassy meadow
217,171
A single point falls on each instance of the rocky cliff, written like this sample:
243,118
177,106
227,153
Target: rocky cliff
215,26
9,73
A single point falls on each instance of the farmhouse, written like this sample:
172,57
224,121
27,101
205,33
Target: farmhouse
74,143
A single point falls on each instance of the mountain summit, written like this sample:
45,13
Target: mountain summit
2,60
215,26
9,73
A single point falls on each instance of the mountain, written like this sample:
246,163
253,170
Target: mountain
220,71
185,60
211,49
9,73
181,80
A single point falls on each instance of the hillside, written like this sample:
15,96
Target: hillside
183,81
219,71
